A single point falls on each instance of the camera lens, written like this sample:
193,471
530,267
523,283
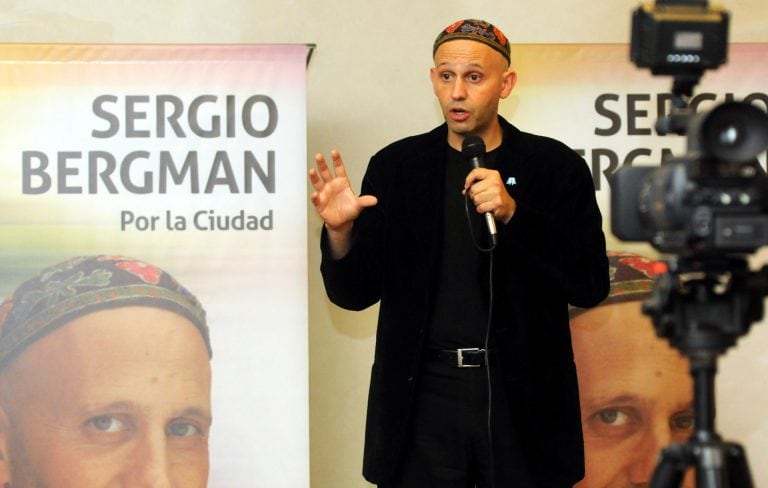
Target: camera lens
734,131
730,136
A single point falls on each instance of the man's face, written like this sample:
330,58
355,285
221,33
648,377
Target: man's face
469,79
636,395
116,398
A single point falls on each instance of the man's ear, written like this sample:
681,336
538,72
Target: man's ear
433,78
5,467
509,80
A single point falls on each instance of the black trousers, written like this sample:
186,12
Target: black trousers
450,437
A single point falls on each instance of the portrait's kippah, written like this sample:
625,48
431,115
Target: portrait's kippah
83,285
475,30
632,277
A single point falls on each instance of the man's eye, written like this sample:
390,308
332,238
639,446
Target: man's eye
474,77
613,422
107,423
182,429
612,416
681,421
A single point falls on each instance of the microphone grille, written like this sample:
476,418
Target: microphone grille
473,146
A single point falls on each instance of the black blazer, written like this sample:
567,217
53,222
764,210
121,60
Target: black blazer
550,254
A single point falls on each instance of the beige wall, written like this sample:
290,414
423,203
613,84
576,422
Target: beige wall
368,85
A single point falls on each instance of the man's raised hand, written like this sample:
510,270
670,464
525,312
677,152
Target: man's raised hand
333,197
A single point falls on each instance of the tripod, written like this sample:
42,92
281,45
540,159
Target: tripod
702,306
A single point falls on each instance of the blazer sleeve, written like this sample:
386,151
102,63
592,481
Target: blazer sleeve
354,281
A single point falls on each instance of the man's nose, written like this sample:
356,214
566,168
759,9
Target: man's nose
459,91
150,466
647,453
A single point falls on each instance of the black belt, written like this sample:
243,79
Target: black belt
468,357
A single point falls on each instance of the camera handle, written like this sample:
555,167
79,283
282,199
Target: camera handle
676,122
702,305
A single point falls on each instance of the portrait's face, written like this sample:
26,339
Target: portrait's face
469,79
636,395
115,398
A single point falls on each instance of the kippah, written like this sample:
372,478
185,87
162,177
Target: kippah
83,285
632,277
475,30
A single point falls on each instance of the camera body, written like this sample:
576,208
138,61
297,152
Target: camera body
692,206
714,198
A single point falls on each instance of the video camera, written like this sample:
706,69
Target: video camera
710,207
714,198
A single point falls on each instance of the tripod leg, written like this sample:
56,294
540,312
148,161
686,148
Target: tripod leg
711,467
738,468
722,465
673,461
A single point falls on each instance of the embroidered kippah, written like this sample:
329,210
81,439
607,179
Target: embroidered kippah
475,30
83,285
632,277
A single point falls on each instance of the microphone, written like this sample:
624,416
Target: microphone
473,148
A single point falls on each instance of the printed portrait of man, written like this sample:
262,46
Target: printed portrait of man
635,390
104,379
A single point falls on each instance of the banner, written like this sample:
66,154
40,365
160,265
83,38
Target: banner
191,159
635,389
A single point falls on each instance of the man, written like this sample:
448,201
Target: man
104,379
448,309
636,391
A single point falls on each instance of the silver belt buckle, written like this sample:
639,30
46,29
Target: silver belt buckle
460,357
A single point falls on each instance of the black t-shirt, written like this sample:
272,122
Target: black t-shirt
460,313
